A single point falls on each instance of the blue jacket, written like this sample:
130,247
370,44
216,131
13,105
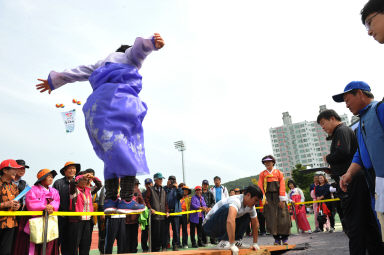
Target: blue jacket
173,198
362,157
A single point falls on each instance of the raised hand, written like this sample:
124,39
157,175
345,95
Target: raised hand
44,86
159,42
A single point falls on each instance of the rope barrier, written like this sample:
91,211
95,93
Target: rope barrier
309,202
38,213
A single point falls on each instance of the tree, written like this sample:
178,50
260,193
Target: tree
303,180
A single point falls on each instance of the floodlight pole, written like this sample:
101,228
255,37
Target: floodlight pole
180,146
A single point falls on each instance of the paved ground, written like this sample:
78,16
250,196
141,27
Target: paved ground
319,243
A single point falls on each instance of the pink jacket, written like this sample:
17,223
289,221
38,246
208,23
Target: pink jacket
36,198
81,198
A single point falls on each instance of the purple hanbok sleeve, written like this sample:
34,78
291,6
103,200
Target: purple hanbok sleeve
139,51
80,73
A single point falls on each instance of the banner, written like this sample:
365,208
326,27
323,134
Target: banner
69,120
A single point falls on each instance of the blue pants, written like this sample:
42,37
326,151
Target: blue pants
216,226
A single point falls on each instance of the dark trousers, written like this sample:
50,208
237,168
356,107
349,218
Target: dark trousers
174,221
79,243
7,236
132,231
159,240
101,227
199,228
362,228
115,230
204,237
260,217
216,226
184,228
144,238
64,235
337,205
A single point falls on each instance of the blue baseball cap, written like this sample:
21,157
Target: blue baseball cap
158,176
148,180
351,86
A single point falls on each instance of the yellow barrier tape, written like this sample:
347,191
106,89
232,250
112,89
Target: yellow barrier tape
38,213
310,202
178,213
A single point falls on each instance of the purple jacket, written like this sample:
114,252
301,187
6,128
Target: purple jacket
196,202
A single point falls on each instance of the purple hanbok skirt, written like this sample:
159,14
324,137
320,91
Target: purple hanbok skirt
113,118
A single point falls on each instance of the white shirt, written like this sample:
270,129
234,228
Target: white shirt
235,202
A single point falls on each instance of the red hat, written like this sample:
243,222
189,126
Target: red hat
11,163
198,188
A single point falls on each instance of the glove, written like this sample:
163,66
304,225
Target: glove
234,249
255,246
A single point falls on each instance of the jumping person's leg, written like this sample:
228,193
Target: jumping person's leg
126,204
111,190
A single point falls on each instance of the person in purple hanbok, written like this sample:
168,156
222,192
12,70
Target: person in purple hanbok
113,117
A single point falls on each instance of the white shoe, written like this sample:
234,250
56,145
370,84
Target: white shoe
185,247
240,244
223,245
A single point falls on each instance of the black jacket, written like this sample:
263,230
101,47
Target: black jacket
209,198
343,147
62,186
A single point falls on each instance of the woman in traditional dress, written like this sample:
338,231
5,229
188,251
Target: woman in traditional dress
315,205
271,182
41,197
296,195
113,117
323,192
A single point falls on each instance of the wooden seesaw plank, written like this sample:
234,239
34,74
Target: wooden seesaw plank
265,250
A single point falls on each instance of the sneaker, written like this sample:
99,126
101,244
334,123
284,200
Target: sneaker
194,246
201,245
175,248
185,247
240,244
285,241
127,207
277,242
317,230
331,230
309,232
110,206
223,245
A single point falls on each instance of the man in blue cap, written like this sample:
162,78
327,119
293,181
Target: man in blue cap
370,136
155,199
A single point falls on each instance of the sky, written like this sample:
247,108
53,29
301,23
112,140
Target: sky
225,75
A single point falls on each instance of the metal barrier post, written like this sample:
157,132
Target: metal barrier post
45,232
150,231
